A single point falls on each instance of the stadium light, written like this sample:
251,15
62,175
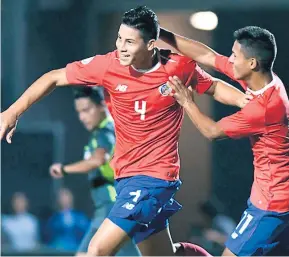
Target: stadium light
204,20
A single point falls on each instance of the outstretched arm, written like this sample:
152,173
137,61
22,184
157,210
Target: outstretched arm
191,48
227,94
41,87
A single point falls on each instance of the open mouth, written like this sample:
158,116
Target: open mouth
124,56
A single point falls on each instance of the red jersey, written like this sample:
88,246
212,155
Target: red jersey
265,120
147,120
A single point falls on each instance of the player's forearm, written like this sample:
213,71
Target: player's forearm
191,48
203,123
227,94
41,87
83,166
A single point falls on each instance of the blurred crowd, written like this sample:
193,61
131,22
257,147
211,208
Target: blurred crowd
21,231
63,230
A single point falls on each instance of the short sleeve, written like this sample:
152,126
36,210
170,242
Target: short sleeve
244,123
88,71
188,72
203,80
194,76
106,140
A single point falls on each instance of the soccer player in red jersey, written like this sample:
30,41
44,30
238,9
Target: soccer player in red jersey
147,120
264,227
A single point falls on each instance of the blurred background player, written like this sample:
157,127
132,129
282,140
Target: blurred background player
93,114
66,228
264,227
148,121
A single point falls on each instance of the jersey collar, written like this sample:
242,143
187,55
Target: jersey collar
262,90
154,68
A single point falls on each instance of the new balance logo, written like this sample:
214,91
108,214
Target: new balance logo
121,88
128,206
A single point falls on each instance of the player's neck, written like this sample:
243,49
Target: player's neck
147,63
259,80
101,121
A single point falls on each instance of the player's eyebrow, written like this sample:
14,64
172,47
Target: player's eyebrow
130,39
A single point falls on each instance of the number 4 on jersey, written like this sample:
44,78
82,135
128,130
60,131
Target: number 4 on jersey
142,110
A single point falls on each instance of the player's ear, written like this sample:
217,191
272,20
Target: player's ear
253,63
151,44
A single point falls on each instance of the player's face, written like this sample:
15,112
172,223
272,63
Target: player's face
131,47
242,66
89,114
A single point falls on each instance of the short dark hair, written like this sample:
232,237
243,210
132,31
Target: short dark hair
143,19
94,93
258,43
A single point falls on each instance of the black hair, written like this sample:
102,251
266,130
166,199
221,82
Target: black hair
94,93
258,43
143,19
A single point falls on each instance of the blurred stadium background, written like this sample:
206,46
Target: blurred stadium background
40,35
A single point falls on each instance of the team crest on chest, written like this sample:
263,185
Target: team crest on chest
165,90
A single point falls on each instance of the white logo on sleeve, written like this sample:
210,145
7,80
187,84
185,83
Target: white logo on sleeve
87,60
121,88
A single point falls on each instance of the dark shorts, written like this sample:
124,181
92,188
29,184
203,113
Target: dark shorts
143,205
260,233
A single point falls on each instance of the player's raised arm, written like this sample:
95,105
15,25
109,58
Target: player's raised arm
79,72
227,94
222,92
41,87
191,48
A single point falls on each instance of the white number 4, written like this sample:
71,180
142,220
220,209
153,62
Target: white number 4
243,224
136,194
142,110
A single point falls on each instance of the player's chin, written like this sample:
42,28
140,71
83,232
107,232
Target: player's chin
88,127
126,62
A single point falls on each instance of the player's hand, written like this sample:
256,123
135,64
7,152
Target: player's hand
8,125
179,91
56,170
245,99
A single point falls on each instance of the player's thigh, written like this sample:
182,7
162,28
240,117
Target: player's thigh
159,244
107,240
86,240
99,216
129,249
